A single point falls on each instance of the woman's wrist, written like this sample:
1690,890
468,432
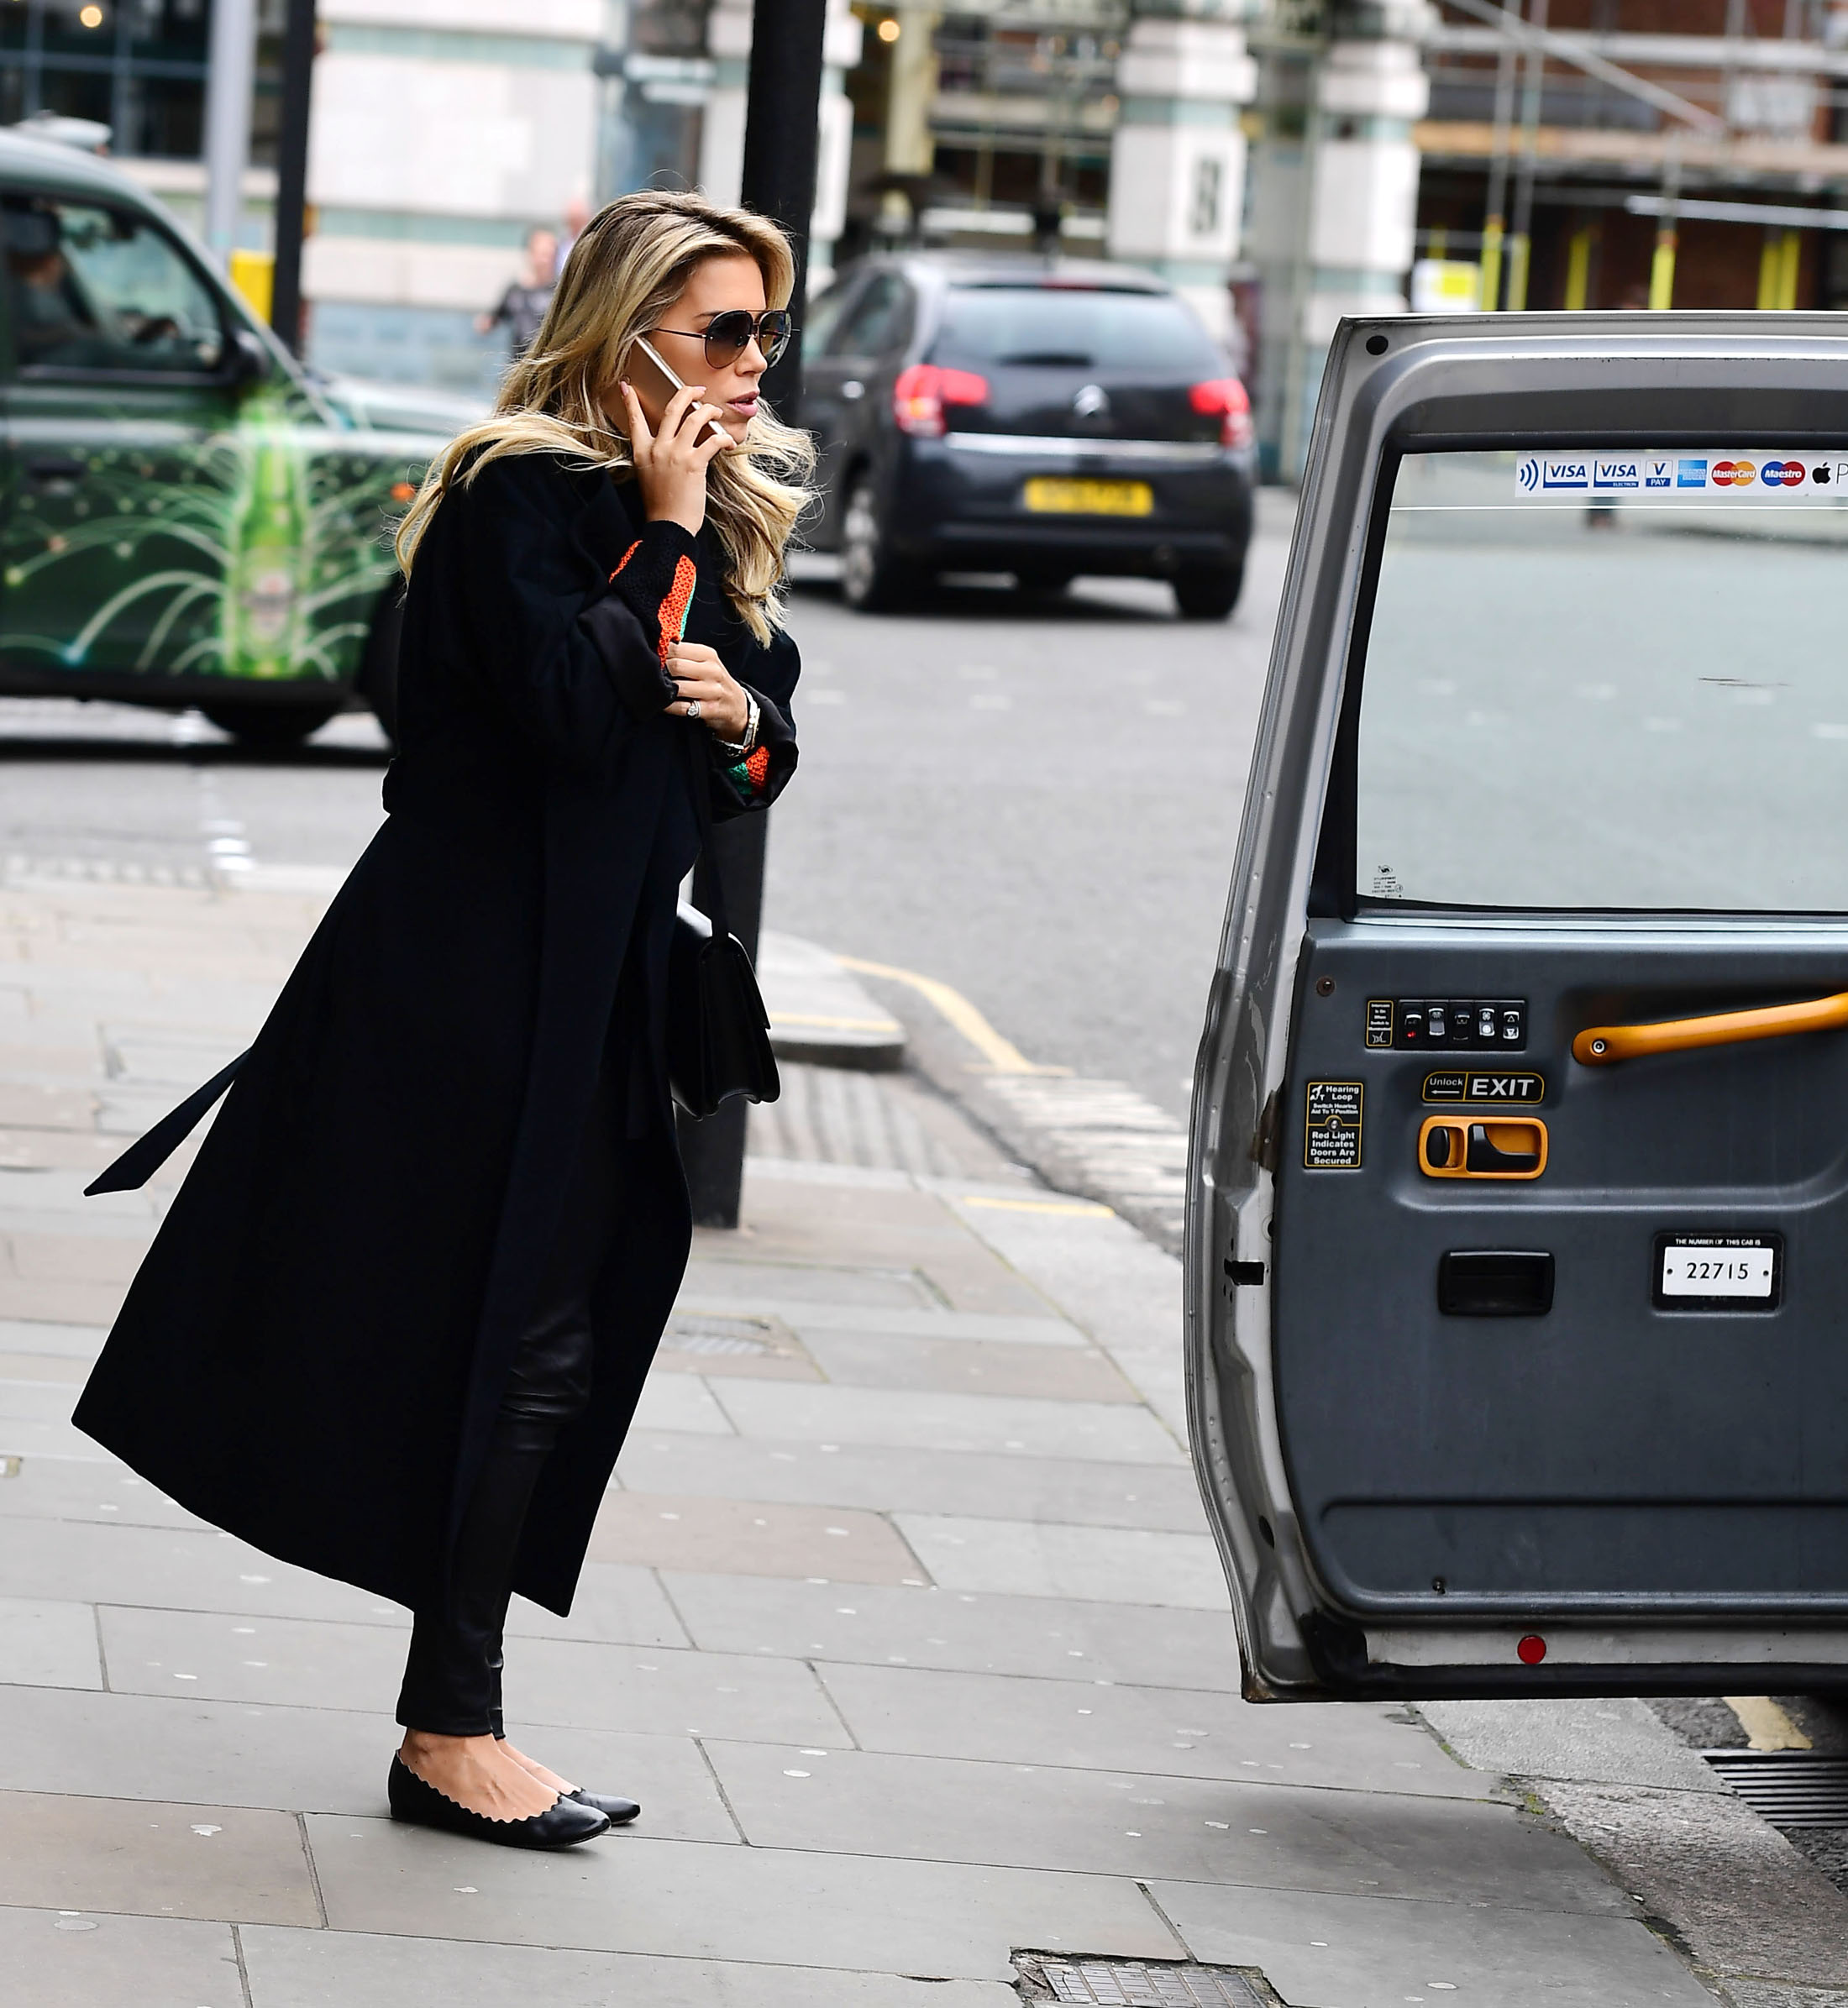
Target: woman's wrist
664,513
740,747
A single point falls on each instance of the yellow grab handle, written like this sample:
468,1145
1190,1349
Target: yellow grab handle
1605,1044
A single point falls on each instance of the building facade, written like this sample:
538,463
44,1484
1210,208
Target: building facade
442,134
1284,162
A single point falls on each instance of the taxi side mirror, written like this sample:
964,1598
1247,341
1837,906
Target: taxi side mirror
246,360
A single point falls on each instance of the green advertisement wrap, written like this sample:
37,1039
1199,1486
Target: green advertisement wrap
255,552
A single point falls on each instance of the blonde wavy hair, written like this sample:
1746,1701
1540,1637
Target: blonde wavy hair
633,261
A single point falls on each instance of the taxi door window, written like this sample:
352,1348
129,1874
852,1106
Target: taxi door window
98,291
1607,680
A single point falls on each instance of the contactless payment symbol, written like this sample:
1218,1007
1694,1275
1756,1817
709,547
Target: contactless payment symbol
1527,474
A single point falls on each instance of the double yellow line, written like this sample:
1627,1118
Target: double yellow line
1003,1057
1002,1054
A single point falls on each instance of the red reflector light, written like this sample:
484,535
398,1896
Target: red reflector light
1223,397
922,390
1532,1649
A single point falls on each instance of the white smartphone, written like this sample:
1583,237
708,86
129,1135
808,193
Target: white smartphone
654,354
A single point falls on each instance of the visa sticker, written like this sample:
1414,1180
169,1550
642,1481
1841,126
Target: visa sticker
1616,474
1659,473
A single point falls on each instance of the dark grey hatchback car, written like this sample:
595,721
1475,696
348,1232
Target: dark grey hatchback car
1041,418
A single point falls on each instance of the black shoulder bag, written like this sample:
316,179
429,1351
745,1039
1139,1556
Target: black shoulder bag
718,1032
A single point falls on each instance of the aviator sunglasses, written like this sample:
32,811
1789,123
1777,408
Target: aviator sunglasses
726,336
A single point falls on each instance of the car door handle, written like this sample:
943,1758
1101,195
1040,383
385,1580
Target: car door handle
1452,1146
852,389
1605,1044
53,468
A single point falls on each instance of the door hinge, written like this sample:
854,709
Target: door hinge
1264,1143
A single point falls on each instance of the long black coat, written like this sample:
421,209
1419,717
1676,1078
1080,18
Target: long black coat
314,1350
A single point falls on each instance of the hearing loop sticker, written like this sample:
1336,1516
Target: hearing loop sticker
1332,1122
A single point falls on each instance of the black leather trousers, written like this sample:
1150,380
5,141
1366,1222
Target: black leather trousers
452,1679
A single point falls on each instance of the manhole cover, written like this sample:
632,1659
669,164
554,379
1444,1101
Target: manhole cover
1789,1788
1137,1983
721,1335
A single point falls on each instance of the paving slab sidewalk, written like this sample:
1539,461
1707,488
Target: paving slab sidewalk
901,1619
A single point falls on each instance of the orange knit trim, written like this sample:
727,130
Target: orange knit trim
673,607
758,767
627,555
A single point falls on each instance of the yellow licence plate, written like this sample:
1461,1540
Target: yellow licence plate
1051,496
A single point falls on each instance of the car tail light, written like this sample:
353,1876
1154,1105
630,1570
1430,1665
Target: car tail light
1224,398
924,389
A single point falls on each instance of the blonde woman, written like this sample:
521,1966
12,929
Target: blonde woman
398,1317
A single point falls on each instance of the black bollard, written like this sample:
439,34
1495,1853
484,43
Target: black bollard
782,110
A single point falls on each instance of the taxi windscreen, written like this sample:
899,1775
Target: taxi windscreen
1599,679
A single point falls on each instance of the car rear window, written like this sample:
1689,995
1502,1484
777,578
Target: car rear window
1078,328
1602,677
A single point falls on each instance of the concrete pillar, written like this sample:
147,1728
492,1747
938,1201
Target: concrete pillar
1335,190
722,121
910,147
721,130
1365,210
1177,156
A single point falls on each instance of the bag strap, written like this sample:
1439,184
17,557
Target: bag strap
700,758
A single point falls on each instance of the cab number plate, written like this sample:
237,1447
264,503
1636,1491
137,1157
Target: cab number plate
1049,496
1723,1271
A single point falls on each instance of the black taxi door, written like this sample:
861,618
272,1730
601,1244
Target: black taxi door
1517,1321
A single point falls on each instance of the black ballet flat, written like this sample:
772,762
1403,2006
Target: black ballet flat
617,1811
563,1824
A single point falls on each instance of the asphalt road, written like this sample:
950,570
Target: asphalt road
1033,800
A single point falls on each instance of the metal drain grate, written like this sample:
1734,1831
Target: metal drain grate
1789,1788
1136,1984
721,1335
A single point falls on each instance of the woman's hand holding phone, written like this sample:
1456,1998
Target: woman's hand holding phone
671,458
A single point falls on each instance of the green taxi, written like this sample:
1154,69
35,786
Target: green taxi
187,519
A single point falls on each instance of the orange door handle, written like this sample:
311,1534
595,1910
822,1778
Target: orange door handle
1605,1044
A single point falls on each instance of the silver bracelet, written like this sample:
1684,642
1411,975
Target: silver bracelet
742,749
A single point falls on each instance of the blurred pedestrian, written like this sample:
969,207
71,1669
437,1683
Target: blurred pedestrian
577,214
395,1322
523,304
